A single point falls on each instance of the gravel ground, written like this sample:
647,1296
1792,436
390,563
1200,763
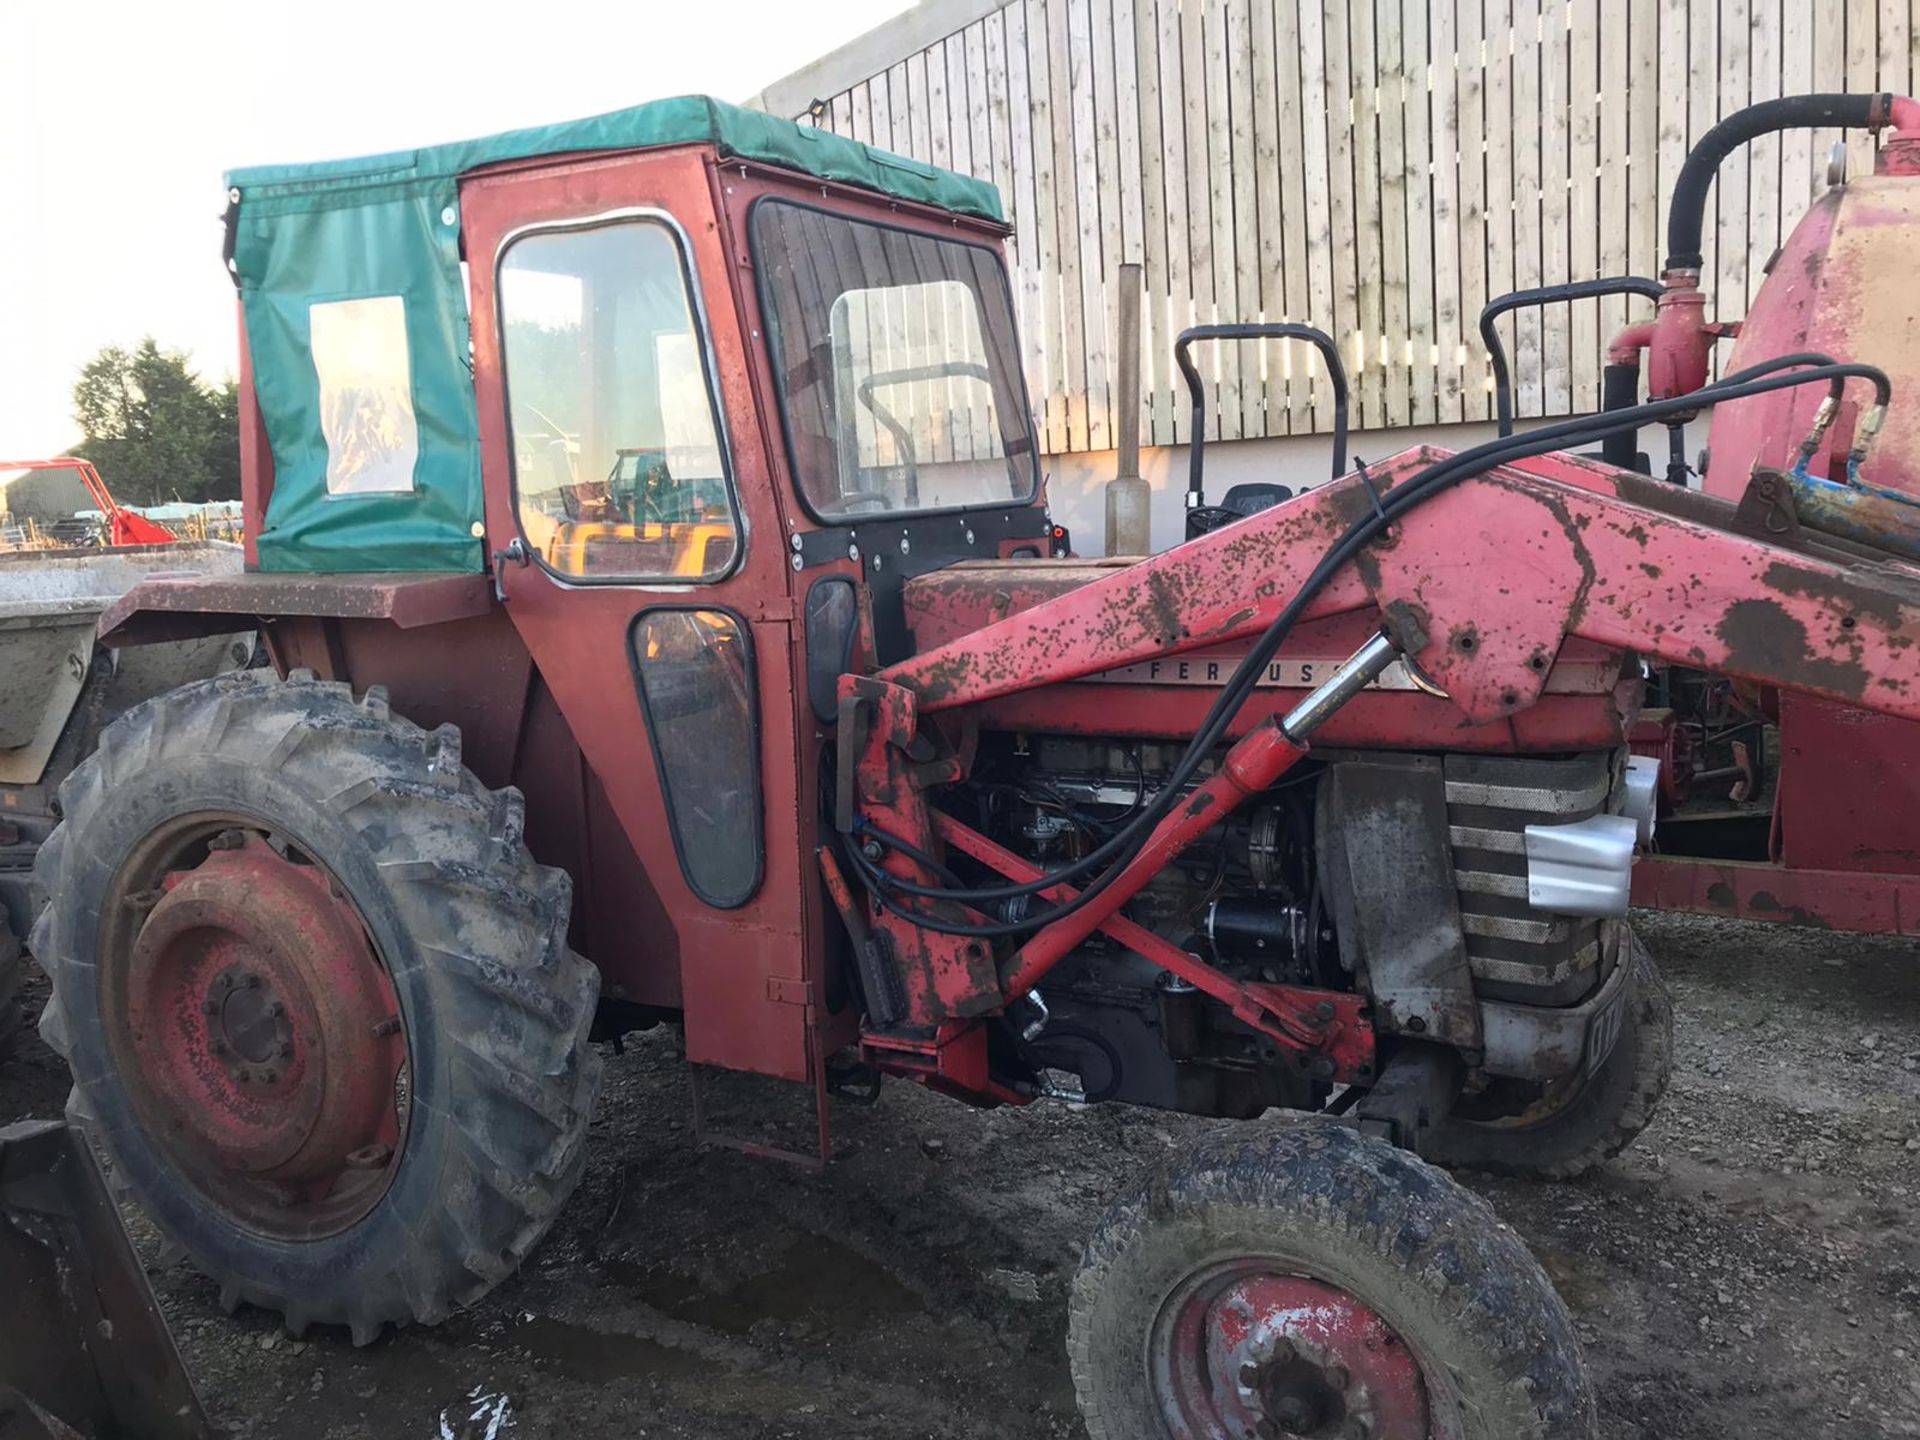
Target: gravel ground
1751,1269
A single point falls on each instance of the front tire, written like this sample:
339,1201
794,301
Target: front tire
1569,1128
1307,1280
317,1000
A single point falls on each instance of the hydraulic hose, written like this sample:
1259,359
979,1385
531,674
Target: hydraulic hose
1687,209
1758,380
1620,390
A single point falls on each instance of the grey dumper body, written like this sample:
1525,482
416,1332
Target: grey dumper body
59,687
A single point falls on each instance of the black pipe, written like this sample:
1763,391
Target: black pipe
1620,390
1686,211
1677,468
1196,488
1545,295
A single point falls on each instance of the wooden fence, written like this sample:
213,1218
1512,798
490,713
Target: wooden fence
1374,167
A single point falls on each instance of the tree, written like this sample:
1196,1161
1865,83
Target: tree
154,429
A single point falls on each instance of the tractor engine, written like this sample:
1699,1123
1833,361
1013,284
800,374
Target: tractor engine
1385,874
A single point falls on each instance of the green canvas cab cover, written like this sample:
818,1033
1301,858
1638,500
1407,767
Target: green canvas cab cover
356,319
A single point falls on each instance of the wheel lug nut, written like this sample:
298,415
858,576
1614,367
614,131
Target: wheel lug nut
276,1009
286,1052
210,1008
251,981
270,1076
1337,1376
219,1047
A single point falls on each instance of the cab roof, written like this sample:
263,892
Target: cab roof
734,132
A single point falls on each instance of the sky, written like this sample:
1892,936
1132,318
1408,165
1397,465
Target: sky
118,119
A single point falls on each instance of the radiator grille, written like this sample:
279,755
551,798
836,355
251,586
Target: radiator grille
1515,951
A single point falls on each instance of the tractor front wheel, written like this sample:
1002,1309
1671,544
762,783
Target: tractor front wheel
1309,1281
1557,1131
317,999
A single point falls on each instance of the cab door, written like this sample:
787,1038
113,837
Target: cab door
629,500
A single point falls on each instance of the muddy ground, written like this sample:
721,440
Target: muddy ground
1751,1269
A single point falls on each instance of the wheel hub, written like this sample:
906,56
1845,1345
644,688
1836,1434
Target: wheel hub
1247,1352
251,1027
263,1033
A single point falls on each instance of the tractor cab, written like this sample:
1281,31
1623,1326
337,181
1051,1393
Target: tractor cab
644,423
682,345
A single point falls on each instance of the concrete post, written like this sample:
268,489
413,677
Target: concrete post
1129,500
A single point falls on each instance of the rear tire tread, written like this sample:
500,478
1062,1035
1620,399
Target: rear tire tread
452,857
12,970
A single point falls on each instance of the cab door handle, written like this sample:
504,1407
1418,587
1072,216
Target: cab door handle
518,553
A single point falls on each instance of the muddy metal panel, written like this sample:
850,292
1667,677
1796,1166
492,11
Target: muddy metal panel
49,605
1849,788
1841,286
1861,901
83,1344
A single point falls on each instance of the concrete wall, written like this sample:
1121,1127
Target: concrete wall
1078,500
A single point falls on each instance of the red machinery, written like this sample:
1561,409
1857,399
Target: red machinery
809,747
124,526
1837,846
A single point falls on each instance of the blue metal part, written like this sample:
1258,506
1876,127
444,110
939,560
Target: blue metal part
1882,518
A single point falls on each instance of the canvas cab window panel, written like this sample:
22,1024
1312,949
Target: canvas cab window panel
367,418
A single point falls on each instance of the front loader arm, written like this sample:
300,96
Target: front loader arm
1498,571
1480,586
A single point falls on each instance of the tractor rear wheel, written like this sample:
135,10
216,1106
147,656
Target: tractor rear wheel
12,967
1309,1281
1565,1129
317,999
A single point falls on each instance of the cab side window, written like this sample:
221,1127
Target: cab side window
619,471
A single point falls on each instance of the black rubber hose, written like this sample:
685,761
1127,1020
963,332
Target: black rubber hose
1544,295
1686,211
1620,390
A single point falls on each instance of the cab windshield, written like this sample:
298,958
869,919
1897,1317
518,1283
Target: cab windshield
897,365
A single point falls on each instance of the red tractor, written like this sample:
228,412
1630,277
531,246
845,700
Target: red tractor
646,525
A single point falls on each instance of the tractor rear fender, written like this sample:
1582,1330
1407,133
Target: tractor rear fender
176,607
446,653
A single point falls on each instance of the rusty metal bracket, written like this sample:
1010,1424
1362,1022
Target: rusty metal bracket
704,1134
84,1348
1766,510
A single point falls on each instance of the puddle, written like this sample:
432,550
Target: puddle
580,1352
817,1280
